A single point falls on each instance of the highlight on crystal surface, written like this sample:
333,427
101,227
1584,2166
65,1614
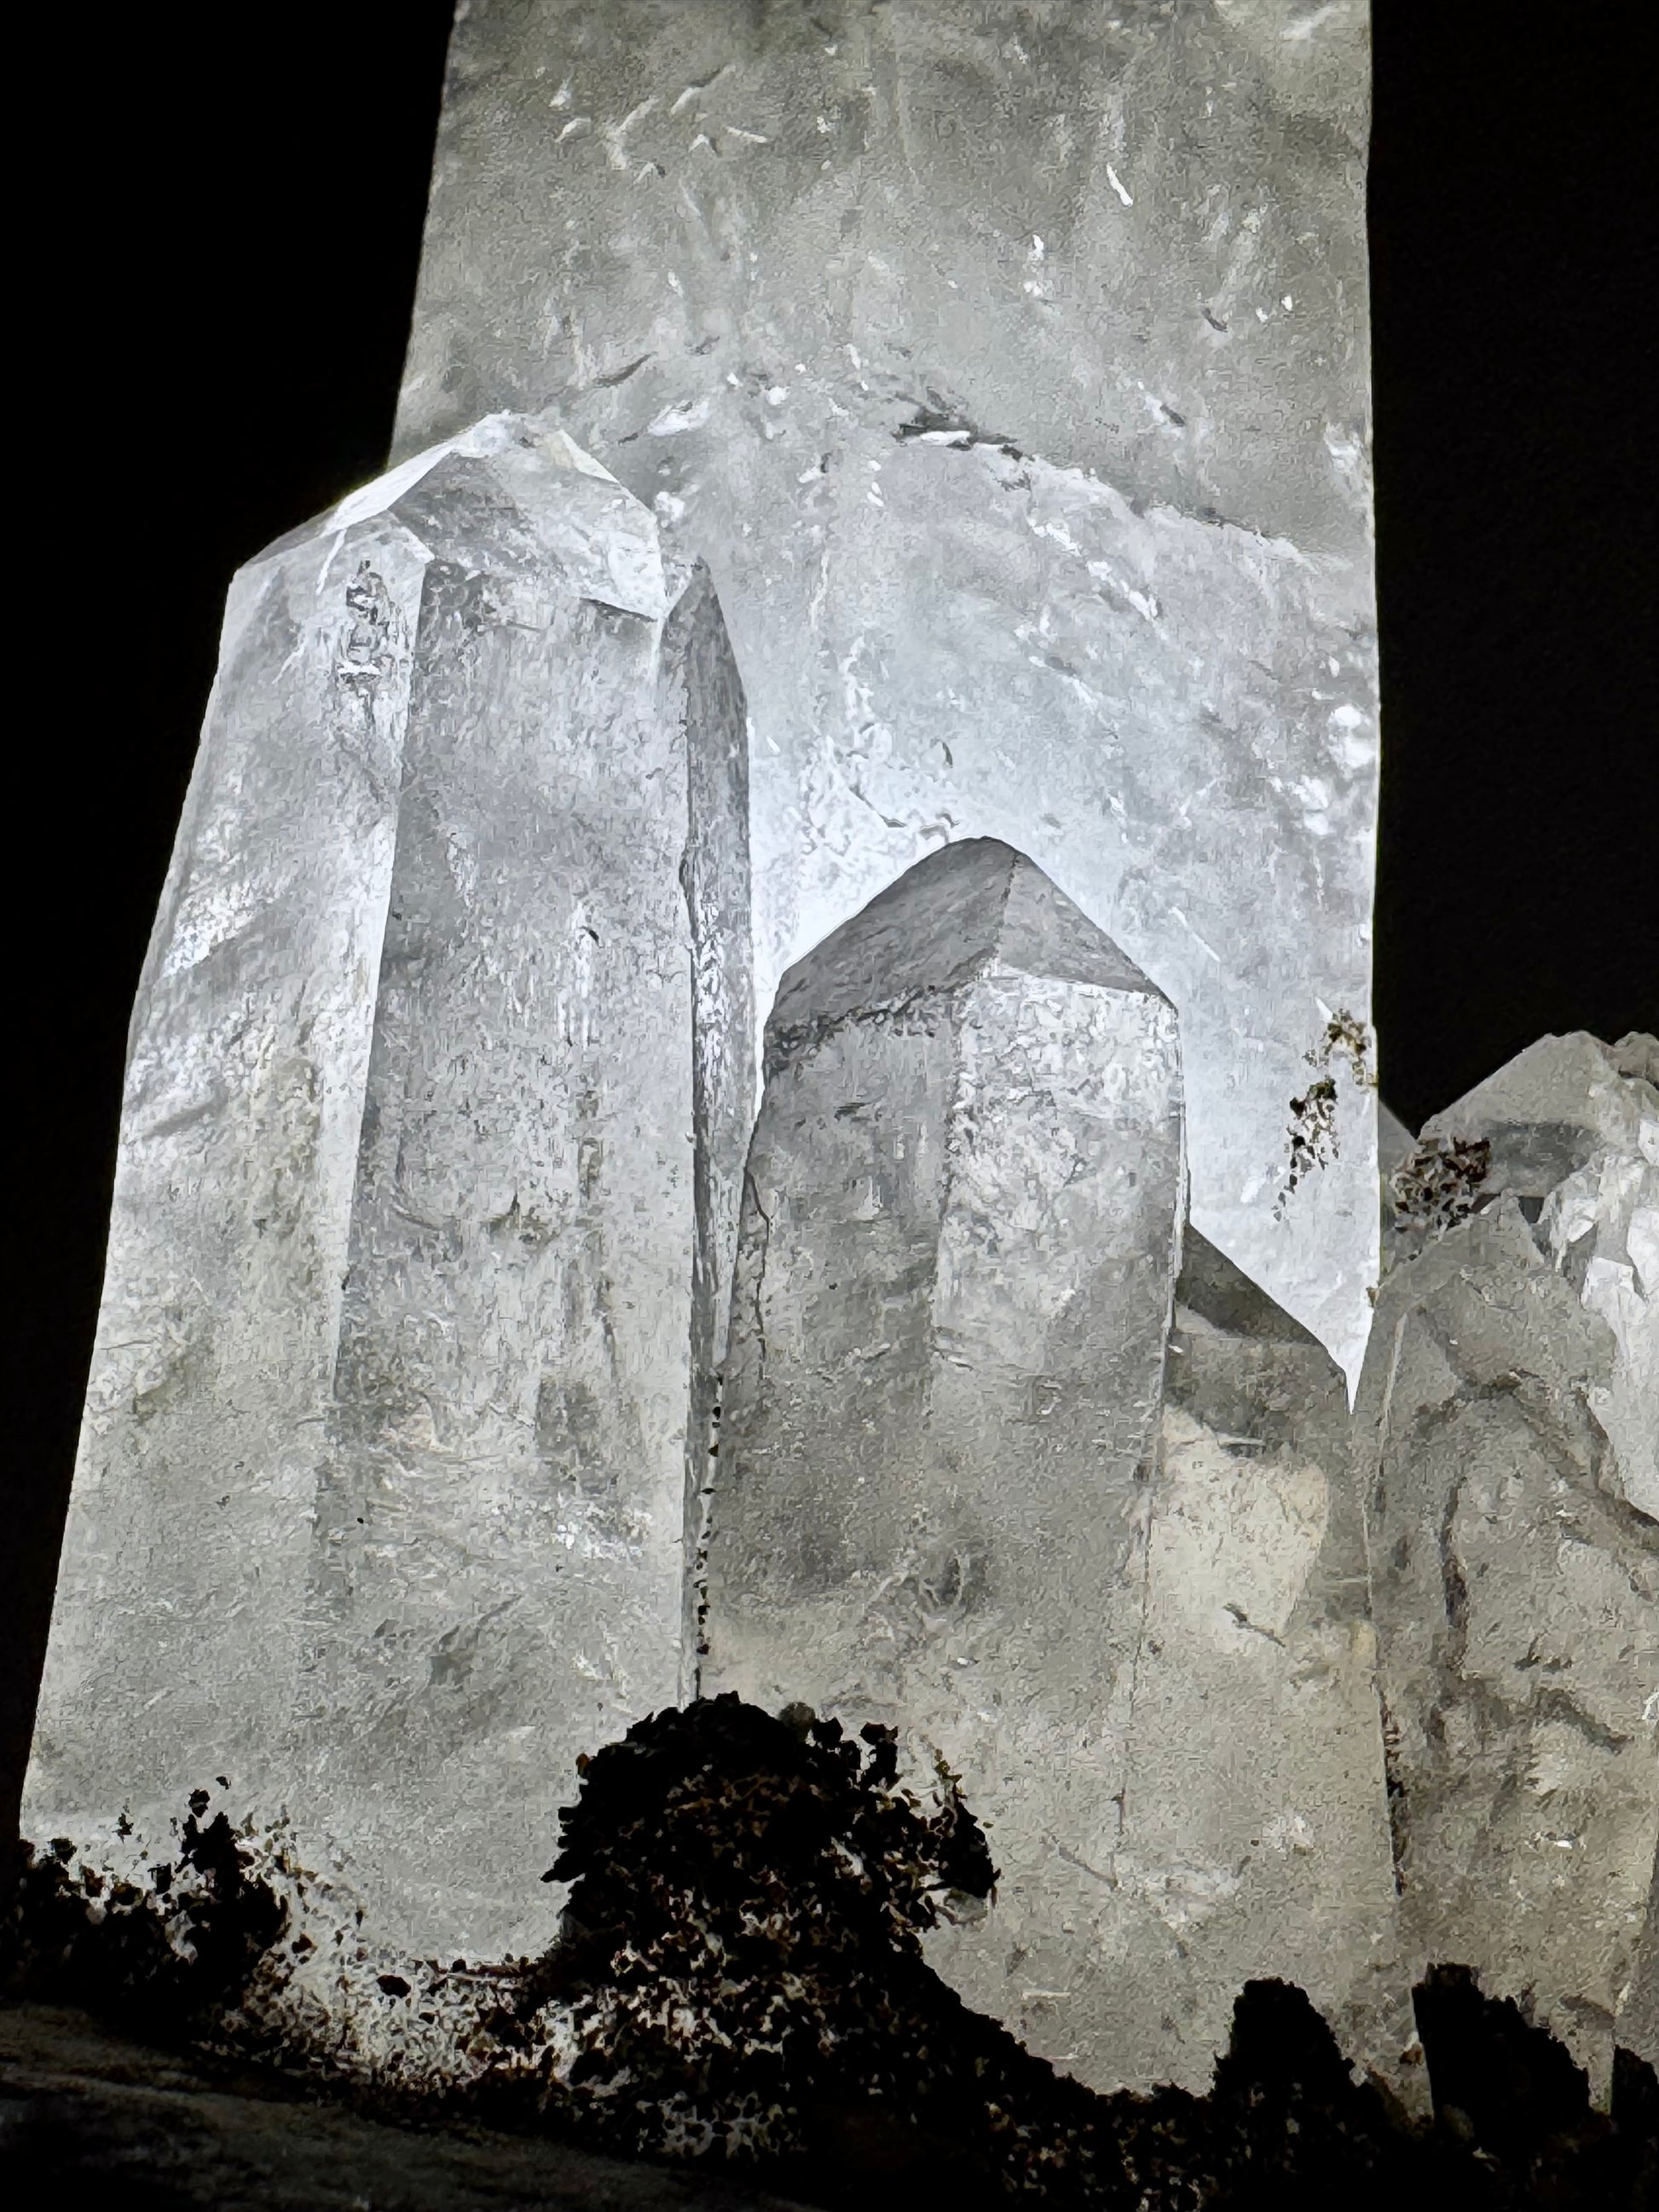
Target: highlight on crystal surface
440,1075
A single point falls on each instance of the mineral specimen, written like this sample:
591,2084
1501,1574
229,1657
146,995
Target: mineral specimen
441,1073
1516,1582
959,1495
1008,366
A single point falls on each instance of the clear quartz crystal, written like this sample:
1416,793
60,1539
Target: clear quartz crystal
976,1483
441,1068
952,1293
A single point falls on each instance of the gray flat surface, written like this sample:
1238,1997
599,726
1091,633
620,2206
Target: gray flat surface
80,2106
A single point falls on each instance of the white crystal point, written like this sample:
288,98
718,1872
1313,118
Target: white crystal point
972,907
419,1256
942,1389
1573,1125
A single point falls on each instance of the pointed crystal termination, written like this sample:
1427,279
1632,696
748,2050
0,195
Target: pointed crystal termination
1255,1825
1515,1558
440,1072
952,1295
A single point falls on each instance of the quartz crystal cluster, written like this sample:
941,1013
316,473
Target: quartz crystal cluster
399,1487
972,1485
1006,364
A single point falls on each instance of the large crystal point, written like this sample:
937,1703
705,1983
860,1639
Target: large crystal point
1039,499
1516,1582
952,1297
440,1074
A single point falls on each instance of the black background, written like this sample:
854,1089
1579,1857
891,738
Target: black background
222,340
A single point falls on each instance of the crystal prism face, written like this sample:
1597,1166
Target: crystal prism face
1502,1424
441,1070
1038,505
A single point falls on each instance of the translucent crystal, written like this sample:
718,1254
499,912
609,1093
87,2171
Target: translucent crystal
942,1391
441,1069
1515,1588
1039,506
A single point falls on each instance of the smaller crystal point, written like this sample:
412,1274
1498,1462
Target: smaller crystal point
1570,1129
952,1295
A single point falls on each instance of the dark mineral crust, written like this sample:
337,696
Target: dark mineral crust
738,2004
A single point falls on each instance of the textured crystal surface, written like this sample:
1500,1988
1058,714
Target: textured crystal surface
1256,1828
1515,1587
1573,1127
441,1069
1008,366
951,1299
